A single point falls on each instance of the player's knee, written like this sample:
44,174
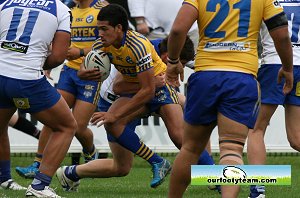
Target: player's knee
123,170
231,150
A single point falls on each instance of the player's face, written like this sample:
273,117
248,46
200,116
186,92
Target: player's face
108,34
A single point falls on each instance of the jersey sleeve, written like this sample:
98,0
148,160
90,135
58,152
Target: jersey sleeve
98,45
271,9
64,18
141,50
194,3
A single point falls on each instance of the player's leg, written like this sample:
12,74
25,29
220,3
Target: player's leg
194,141
256,150
63,126
292,110
22,124
172,116
82,96
232,137
120,165
6,181
292,113
124,133
32,169
83,112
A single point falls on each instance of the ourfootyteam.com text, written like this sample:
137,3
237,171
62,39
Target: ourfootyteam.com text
240,181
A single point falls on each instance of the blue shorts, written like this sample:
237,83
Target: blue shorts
29,96
271,92
164,95
103,106
234,94
85,90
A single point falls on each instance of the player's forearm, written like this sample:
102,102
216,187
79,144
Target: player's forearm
283,47
120,88
52,61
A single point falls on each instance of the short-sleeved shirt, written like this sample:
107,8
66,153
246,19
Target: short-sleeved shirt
228,32
136,55
27,29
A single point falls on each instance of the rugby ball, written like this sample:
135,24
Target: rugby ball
100,60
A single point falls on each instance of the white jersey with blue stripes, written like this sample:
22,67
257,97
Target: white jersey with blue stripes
27,28
292,11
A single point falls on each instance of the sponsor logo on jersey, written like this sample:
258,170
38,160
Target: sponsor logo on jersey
89,19
16,47
127,70
79,19
31,3
21,103
227,46
146,59
84,33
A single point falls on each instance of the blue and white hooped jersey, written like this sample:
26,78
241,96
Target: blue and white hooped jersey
27,28
292,11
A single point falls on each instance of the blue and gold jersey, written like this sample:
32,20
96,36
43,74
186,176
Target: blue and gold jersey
136,55
84,29
228,32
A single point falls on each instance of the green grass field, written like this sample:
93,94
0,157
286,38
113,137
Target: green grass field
137,183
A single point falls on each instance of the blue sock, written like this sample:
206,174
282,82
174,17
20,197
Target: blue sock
205,159
4,170
40,181
131,141
70,173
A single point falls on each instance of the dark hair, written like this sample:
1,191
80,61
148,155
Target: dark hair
187,52
114,14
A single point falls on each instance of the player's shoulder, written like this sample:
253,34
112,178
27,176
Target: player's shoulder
136,39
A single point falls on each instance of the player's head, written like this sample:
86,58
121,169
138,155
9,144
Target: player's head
187,53
112,22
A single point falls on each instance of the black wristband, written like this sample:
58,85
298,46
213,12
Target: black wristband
81,52
173,61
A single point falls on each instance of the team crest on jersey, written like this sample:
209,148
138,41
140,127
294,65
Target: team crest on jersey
161,95
21,103
89,19
129,60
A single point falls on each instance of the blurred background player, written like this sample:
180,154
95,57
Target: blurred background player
154,18
272,95
223,90
25,41
82,96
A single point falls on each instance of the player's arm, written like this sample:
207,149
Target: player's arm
60,45
75,53
144,94
122,87
185,18
278,29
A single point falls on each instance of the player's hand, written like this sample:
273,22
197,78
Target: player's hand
47,74
143,28
88,74
100,118
73,53
289,80
160,80
173,70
